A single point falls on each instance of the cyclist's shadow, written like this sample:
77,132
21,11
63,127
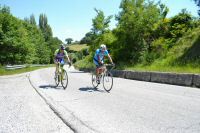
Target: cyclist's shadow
90,89
49,87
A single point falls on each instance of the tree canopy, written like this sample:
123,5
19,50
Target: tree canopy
22,41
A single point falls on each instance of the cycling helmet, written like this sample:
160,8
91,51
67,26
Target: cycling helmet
62,47
103,46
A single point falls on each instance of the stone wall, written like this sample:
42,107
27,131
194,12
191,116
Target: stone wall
159,77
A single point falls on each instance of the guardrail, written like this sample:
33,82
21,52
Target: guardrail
13,67
184,79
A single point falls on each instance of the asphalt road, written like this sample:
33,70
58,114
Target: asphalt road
130,107
22,110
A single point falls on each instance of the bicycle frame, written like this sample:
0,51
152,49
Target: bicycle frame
105,67
61,76
106,74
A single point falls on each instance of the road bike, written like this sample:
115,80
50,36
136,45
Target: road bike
61,76
104,77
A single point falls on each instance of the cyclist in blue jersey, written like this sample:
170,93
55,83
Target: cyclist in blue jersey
59,56
99,59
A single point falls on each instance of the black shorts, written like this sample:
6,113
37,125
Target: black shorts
99,66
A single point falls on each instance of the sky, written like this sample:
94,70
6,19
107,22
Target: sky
73,18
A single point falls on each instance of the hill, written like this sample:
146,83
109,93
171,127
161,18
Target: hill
77,47
183,57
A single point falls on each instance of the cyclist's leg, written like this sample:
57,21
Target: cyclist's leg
97,68
103,68
62,67
97,71
56,64
62,63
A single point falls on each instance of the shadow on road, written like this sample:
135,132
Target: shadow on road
90,89
48,87
77,72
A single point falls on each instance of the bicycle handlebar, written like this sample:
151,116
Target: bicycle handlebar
64,64
110,65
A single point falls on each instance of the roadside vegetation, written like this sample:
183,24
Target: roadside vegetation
144,39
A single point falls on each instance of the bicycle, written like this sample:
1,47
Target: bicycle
105,77
61,77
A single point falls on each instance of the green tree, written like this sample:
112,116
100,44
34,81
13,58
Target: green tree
46,29
99,33
15,47
47,33
87,39
198,4
180,24
26,19
21,41
100,23
135,22
5,9
32,19
69,40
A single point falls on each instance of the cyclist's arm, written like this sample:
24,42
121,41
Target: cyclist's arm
66,55
99,60
68,58
110,58
106,53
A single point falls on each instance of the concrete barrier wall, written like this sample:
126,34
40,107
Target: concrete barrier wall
196,80
172,78
119,73
143,76
159,77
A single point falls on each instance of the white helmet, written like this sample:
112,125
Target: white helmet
103,46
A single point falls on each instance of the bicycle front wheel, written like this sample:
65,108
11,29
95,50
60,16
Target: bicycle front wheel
108,81
57,79
64,79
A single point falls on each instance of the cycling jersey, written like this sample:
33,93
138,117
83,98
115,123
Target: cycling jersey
60,56
101,56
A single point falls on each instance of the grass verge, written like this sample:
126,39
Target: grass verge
189,68
4,71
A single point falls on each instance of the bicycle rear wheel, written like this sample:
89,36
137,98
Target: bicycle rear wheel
64,79
94,81
107,81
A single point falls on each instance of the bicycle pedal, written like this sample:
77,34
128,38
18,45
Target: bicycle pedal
98,82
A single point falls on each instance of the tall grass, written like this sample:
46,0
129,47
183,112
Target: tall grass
161,68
